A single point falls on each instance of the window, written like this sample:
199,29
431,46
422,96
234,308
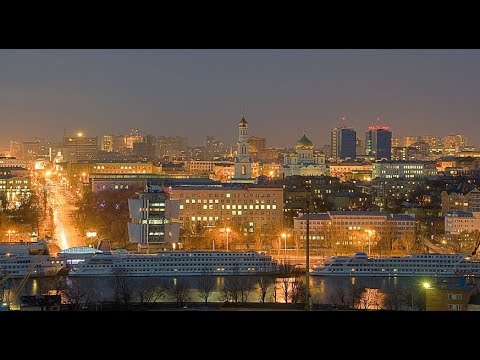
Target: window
454,307
455,296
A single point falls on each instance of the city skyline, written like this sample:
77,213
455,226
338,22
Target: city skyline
195,93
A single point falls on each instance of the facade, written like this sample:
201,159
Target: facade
11,162
401,169
448,297
343,143
257,143
349,171
14,190
458,221
352,227
153,226
173,147
106,144
453,143
464,202
243,163
303,161
245,207
83,170
213,147
378,143
79,148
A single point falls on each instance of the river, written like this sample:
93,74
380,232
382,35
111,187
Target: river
365,292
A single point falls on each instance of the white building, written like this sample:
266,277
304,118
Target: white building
243,163
400,169
154,226
303,161
458,221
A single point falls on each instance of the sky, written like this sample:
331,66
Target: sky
202,92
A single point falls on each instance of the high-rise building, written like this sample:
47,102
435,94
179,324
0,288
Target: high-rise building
79,147
452,143
153,226
397,141
343,141
213,147
106,143
173,147
145,148
378,142
409,140
257,143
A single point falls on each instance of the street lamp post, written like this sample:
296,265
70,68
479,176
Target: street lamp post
426,286
284,236
227,231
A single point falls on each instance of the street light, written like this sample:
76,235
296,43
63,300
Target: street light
426,286
369,234
227,231
9,233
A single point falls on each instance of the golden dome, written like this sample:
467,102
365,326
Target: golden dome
304,144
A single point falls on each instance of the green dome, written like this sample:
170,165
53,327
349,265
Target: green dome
304,144
243,122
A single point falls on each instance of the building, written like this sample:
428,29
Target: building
459,221
343,143
350,171
401,169
14,190
243,162
352,227
245,207
79,148
11,162
132,138
304,161
106,144
257,144
172,147
453,143
469,201
153,227
378,142
449,297
85,169
146,148
213,147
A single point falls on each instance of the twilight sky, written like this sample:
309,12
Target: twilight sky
195,93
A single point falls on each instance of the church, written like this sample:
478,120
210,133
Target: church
304,161
243,162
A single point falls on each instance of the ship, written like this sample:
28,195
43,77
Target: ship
176,263
431,265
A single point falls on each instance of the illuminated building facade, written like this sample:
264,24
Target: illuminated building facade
244,207
153,227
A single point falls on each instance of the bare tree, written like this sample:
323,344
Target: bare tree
341,295
75,294
285,288
124,289
264,283
245,286
298,291
274,290
148,292
393,298
180,291
57,283
206,285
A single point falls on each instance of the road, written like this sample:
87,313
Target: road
61,203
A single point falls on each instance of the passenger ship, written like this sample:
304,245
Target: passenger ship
436,265
27,258
176,263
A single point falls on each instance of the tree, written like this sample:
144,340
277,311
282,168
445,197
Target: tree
206,285
285,288
298,290
75,294
148,292
180,291
393,298
264,283
123,288
245,286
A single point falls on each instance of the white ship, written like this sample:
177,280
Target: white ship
27,258
176,263
29,265
435,265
